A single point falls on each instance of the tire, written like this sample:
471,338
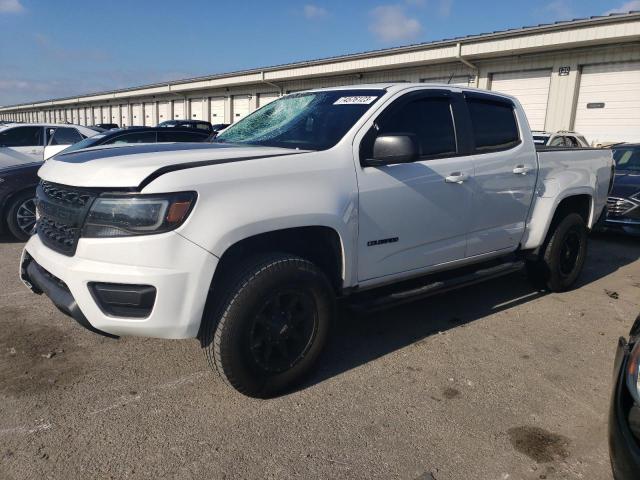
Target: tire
21,216
562,256
269,328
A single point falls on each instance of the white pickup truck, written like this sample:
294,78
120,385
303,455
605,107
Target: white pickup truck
374,194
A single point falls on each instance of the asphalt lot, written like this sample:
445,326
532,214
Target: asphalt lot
495,381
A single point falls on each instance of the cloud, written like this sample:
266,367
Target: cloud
313,12
11,6
625,7
416,3
389,23
558,10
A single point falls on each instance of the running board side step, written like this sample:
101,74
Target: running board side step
434,287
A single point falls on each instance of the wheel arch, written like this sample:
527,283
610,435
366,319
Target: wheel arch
320,244
6,202
550,211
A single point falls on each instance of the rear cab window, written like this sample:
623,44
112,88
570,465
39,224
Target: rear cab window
494,124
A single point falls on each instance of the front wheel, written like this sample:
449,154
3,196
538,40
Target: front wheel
562,257
272,325
21,216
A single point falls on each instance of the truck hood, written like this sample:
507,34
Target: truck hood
134,165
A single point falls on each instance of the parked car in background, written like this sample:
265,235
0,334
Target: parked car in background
24,143
375,194
623,205
107,126
559,139
624,412
17,183
218,127
197,124
133,135
17,199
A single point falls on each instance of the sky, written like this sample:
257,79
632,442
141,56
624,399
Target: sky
57,48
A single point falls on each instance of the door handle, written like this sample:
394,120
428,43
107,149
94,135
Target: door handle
520,170
456,177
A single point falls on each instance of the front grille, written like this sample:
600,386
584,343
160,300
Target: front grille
618,207
61,213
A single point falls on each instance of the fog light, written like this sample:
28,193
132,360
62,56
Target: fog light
122,300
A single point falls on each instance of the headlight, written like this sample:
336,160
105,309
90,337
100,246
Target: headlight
127,215
633,365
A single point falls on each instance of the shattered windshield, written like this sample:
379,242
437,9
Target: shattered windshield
308,121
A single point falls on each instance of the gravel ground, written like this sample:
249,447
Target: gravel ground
495,381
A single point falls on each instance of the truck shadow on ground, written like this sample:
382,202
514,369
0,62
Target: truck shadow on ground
359,339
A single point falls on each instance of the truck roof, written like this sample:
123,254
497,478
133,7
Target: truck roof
399,86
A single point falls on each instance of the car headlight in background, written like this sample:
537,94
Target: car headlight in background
129,215
633,366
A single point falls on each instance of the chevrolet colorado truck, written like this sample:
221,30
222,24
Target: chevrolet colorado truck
372,195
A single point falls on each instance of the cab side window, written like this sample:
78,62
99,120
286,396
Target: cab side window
494,125
64,136
557,142
22,137
430,120
571,142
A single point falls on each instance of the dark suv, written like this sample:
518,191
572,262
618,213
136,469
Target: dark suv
623,204
18,183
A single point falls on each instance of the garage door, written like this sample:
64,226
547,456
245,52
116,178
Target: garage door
178,110
87,116
195,107
149,115
458,81
136,111
126,121
531,88
608,108
217,110
115,114
164,111
264,98
96,115
240,108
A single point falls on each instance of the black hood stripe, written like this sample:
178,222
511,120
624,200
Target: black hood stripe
204,163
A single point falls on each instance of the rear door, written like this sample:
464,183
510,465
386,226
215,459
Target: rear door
21,145
411,215
505,171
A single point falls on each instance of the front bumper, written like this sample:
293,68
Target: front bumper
630,227
180,271
624,449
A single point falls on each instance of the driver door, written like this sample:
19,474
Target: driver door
413,216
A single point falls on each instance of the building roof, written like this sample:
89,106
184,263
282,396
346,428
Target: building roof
559,25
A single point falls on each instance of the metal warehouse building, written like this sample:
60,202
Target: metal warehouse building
581,75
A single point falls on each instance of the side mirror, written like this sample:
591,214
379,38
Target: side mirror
392,149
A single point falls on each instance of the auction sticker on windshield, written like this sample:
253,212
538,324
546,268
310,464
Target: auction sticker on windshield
361,100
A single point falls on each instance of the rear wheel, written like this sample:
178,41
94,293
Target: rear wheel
271,326
21,216
562,257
